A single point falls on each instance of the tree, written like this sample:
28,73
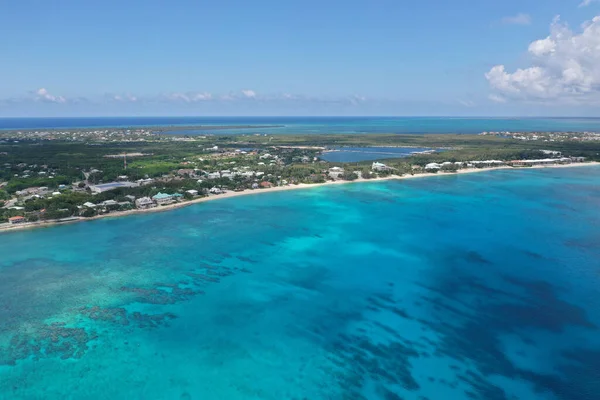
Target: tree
450,168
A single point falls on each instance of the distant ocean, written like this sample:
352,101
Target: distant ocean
308,125
470,287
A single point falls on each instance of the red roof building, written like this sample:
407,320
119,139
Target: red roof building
17,220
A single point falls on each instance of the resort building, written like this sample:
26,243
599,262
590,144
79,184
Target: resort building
377,166
433,166
192,192
144,202
104,187
163,198
215,190
17,220
336,172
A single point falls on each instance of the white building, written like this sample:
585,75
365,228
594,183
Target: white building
335,172
433,166
144,202
377,166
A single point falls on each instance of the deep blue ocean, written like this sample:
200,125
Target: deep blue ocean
480,286
306,125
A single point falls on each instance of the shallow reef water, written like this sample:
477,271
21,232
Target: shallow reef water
482,286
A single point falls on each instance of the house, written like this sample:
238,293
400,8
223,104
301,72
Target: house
192,192
162,198
377,166
213,175
215,190
255,185
266,185
108,203
17,220
89,205
130,198
433,166
144,202
336,172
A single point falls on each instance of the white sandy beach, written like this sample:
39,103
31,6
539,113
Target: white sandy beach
40,224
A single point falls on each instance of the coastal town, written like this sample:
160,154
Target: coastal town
43,180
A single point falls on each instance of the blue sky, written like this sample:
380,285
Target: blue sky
266,57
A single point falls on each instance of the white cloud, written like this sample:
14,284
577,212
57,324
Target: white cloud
586,3
466,103
497,98
565,66
125,98
250,94
43,95
519,19
189,97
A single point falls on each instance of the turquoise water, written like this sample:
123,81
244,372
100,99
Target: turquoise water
316,125
482,286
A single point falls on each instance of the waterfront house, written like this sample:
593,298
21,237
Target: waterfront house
108,203
144,203
336,172
89,205
215,190
266,184
17,220
377,166
192,192
433,167
163,198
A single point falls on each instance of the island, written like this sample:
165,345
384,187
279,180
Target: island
59,176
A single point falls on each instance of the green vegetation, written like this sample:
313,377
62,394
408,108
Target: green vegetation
176,165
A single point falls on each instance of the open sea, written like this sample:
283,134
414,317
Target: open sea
481,286
316,125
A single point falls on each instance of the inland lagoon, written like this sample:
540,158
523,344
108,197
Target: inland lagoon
479,286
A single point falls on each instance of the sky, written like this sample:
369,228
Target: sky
309,57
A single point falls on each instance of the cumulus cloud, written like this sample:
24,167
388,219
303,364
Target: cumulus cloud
249,94
497,98
586,3
519,19
125,98
43,95
564,66
189,97
466,103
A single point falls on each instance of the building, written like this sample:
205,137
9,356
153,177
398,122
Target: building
163,198
144,202
266,184
17,220
108,203
192,192
215,190
130,198
377,166
433,167
336,172
89,205
104,187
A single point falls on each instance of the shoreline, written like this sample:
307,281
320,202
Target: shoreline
31,225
